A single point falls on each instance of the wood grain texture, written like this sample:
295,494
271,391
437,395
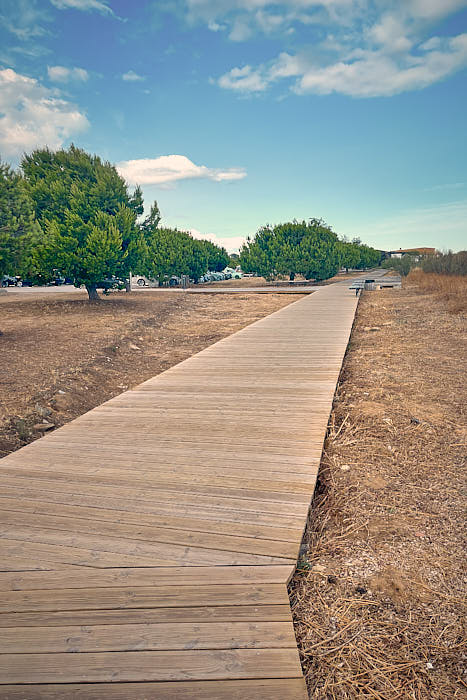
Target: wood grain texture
264,689
145,547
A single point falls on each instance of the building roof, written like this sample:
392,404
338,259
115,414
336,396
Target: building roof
423,250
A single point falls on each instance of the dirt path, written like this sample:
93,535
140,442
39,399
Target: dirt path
62,356
378,597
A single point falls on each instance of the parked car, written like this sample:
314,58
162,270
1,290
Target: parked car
142,281
111,283
8,281
56,281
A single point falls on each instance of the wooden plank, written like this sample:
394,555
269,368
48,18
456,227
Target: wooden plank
263,689
143,597
179,665
172,509
12,563
280,466
243,489
192,523
129,461
134,616
153,473
73,577
150,534
149,553
148,637
265,503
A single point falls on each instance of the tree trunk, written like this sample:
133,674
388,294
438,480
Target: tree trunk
127,285
292,276
92,293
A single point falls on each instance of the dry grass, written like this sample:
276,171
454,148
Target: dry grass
451,288
379,595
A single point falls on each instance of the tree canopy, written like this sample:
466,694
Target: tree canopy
19,229
87,215
217,257
173,252
310,248
69,212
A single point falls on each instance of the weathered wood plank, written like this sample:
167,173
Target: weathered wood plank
192,523
178,665
143,597
204,613
148,637
152,535
264,689
75,577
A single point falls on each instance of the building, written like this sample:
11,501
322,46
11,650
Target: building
423,250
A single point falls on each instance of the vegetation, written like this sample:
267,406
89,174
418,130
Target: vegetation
452,289
442,263
19,230
69,213
401,265
217,257
87,216
309,248
446,263
172,252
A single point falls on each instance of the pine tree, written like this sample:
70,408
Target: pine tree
18,226
88,216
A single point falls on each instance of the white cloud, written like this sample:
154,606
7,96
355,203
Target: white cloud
244,80
362,48
366,73
166,170
61,74
23,19
215,26
32,115
85,5
131,76
379,74
231,243
434,9
241,30
243,18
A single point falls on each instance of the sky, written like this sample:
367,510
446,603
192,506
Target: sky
234,114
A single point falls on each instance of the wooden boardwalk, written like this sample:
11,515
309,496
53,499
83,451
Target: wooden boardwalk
146,546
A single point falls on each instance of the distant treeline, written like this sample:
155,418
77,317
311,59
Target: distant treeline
309,248
68,213
440,263
446,263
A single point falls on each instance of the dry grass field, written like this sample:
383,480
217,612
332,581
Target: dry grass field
452,289
62,356
379,595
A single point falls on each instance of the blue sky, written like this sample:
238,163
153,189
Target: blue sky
237,113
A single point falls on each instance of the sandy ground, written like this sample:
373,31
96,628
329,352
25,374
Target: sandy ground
61,356
379,595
